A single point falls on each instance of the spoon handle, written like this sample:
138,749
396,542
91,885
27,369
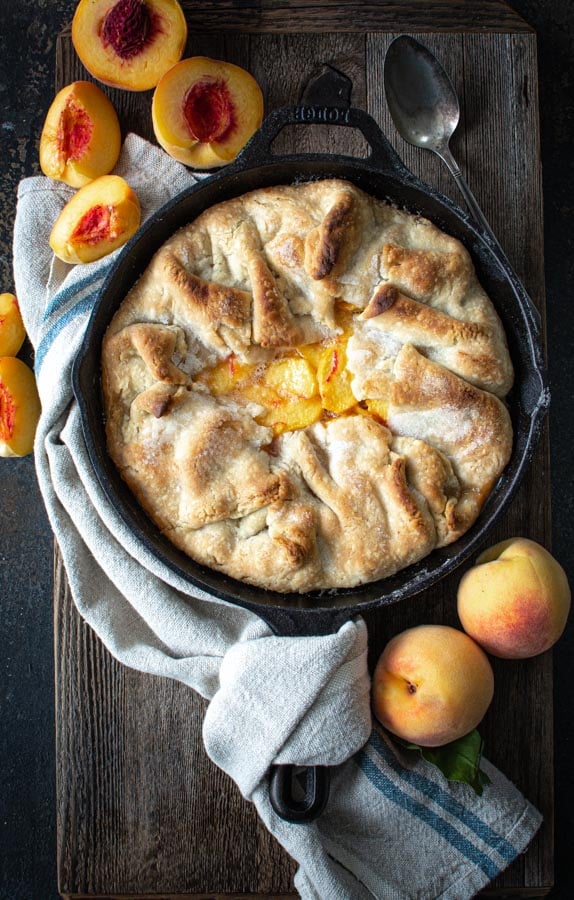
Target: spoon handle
469,197
480,219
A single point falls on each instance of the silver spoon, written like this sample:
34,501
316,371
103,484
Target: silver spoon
424,107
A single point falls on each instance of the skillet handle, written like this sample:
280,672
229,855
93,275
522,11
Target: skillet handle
382,156
282,789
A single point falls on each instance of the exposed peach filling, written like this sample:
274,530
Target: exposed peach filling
298,388
209,111
75,131
127,28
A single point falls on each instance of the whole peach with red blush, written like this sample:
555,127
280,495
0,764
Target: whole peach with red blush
516,599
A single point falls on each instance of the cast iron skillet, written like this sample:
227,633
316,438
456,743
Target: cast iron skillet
383,175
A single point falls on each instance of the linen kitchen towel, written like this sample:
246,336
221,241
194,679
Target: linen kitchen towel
389,830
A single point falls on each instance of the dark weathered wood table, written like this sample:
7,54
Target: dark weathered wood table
141,810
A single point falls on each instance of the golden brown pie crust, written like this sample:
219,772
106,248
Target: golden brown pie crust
353,497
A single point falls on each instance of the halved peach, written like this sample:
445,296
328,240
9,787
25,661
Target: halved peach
19,407
129,44
81,138
12,331
101,217
205,110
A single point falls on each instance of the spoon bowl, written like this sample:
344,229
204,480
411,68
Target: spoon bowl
420,95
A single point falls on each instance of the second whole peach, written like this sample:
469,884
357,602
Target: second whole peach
515,601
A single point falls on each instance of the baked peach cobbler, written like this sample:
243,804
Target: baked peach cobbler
305,388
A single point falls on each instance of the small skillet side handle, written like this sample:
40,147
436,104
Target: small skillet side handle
287,782
283,789
382,156
325,100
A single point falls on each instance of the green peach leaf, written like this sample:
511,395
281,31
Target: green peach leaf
458,761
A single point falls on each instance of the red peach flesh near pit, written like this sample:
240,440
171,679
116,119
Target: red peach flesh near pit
75,131
7,414
208,111
128,28
96,225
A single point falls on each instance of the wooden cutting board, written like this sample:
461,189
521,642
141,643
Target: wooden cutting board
141,810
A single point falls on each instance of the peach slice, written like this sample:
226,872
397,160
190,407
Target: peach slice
291,378
19,407
292,416
227,377
129,44
81,138
378,409
261,394
312,353
101,217
12,331
334,379
288,390
205,110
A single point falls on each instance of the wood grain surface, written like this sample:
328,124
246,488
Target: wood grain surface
141,810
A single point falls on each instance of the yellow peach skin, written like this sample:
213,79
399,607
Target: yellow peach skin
81,138
101,217
432,685
12,331
19,407
516,599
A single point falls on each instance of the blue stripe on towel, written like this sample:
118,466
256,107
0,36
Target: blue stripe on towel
82,306
449,803
65,294
443,828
